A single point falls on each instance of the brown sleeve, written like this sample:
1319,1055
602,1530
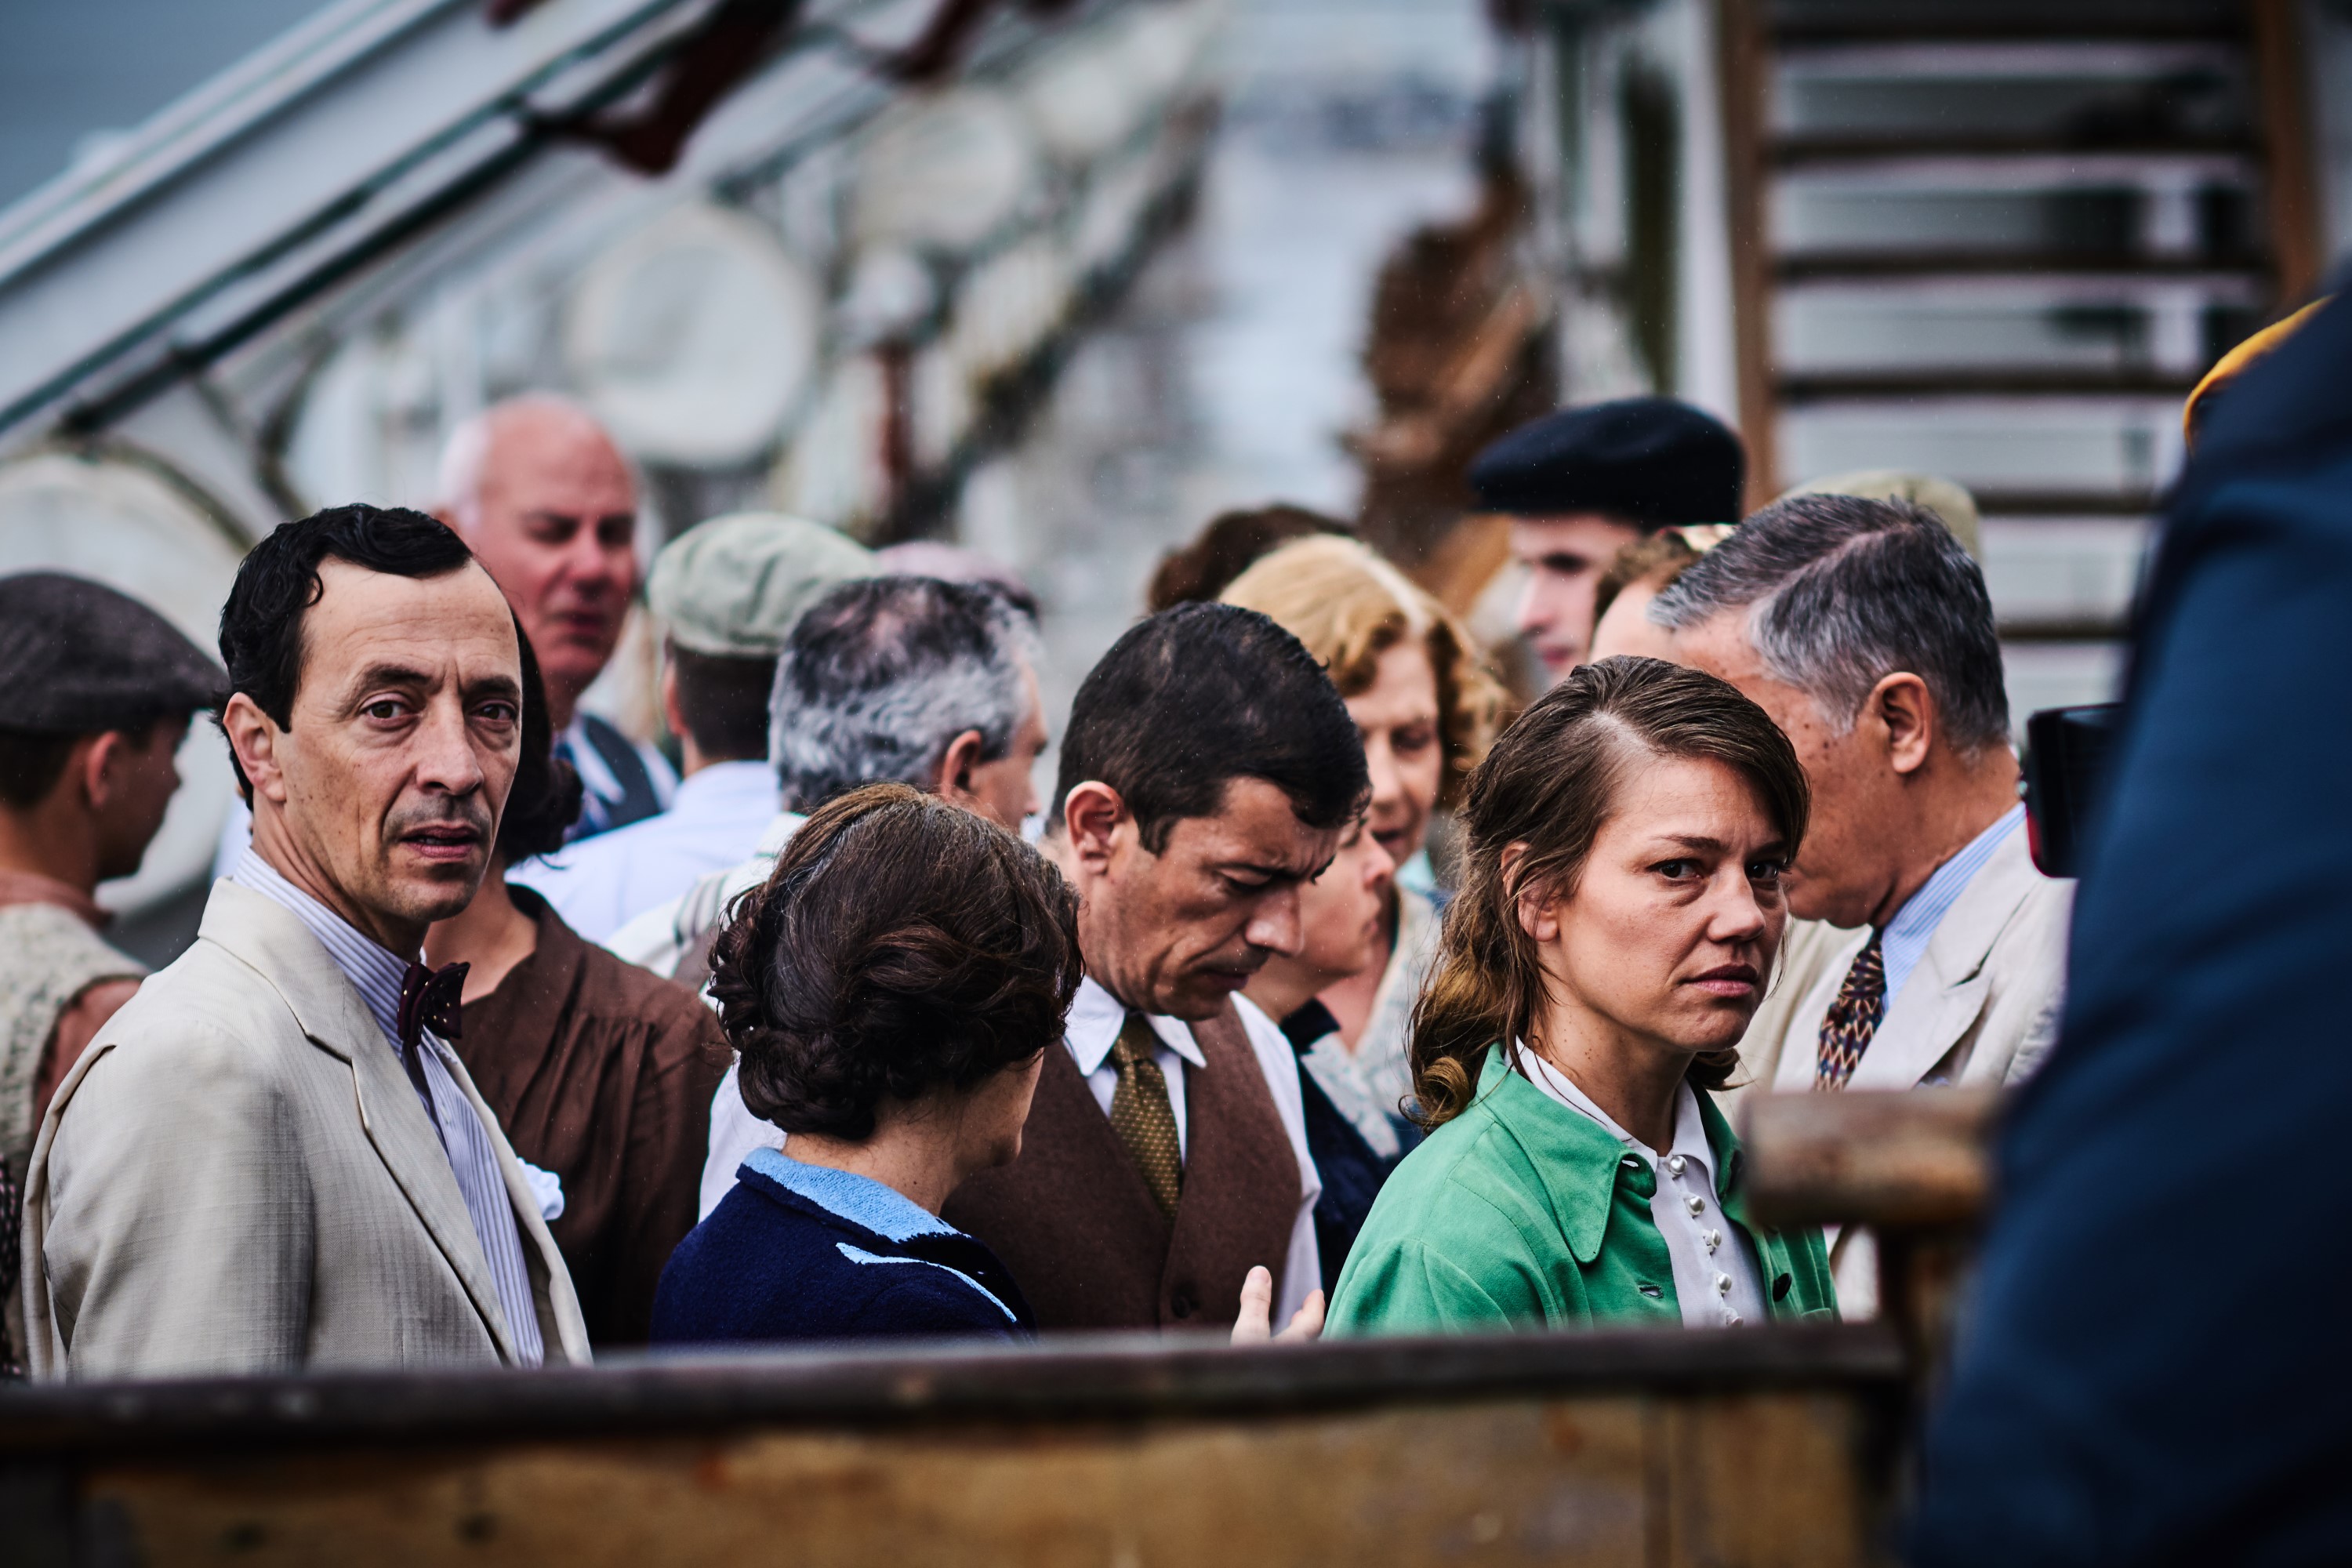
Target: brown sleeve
669,1138
77,1024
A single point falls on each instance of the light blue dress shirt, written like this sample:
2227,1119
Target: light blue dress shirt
600,884
1905,941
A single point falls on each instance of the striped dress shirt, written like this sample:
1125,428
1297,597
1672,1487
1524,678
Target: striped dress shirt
376,973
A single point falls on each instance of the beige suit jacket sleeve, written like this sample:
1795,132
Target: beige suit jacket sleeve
176,1235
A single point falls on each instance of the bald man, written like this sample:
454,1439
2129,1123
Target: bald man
539,491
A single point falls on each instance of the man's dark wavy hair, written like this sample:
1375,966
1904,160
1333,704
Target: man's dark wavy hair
261,624
1198,696
900,946
545,800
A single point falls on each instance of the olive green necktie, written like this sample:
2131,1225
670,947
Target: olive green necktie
1140,1114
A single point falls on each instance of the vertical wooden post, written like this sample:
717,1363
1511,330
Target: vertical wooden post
1740,51
2292,196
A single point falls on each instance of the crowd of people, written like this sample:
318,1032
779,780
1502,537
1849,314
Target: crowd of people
506,1038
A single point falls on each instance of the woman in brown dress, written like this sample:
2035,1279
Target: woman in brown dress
599,1072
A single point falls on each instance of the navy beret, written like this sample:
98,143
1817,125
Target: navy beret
1650,461
79,658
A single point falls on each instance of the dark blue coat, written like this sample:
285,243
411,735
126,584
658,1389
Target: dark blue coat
2154,1370
1352,1169
802,1252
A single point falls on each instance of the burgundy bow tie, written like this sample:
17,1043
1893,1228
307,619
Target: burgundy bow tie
430,999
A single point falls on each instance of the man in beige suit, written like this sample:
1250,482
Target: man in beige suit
1864,628
270,1160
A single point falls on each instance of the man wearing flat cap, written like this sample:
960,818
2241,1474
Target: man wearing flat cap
726,593
96,692
1581,484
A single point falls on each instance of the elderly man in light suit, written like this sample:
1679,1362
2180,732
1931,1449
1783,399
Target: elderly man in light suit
269,1160
1864,628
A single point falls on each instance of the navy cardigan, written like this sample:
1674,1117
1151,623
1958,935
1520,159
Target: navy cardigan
1352,1171
802,1252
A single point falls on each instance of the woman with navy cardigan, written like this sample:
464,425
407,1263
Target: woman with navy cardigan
891,991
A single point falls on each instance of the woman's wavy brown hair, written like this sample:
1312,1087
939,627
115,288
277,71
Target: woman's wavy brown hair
902,946
1350,606
1550,783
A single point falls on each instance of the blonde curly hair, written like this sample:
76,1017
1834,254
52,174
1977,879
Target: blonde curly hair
1350,606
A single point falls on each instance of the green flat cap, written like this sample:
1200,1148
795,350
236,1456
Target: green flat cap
734,585
1946,498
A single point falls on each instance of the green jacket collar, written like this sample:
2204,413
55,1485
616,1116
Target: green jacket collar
1579,1162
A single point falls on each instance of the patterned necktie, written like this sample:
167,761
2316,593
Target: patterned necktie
429,999
1140,1114
1853,1018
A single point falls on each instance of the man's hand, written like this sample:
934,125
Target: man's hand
1255,1324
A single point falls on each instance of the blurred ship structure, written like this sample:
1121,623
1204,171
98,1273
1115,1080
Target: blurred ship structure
885,225
1063,277
1995,241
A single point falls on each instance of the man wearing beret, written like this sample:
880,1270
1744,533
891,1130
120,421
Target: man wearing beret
96,692
1581,484
726,593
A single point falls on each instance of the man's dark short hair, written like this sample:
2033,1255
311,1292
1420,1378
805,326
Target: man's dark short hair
1841,592
33,761
261,624
723,700
901,947
544,801
31,764
1201,695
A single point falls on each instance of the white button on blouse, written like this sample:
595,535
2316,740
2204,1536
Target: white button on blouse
1715,1286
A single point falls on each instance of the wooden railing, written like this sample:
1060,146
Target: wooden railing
1768,1447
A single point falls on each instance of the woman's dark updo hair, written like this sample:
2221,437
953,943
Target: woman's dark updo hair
902,946
545,799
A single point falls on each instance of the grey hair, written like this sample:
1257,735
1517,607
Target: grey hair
1841,592
880,675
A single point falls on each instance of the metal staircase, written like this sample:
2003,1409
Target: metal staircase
1999,240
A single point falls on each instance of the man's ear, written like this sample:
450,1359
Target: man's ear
1902,703
962,755
95,766
672,714
1533,904
1091,814
253,736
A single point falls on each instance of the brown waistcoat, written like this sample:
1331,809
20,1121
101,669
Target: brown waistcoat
1073,1221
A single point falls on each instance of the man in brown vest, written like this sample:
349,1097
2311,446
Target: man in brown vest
1209,770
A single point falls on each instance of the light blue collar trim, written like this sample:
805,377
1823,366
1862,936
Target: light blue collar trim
860,1200
1905,941
859,1255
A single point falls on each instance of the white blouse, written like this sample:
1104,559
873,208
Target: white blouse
1716,1281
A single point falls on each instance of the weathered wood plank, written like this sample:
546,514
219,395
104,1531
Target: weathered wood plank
1764,1479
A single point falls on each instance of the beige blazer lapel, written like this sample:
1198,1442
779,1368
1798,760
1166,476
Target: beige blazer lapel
267,935
1946,992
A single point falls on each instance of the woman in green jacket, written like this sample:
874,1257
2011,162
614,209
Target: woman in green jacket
1619,914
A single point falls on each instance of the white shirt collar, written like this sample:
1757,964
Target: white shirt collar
1096,1018
779,832
1690,1128
722,784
